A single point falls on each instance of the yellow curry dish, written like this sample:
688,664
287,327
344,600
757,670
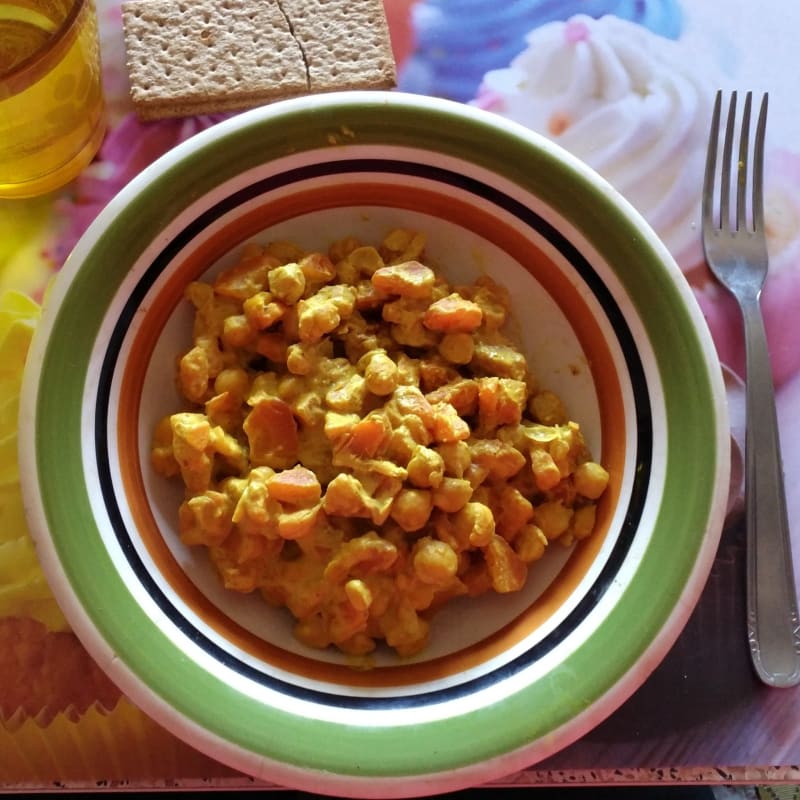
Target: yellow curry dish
362,442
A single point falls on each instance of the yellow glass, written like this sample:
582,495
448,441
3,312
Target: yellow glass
52,115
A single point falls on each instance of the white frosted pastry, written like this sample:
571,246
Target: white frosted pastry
455,42
633,105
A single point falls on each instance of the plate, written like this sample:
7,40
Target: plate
606,320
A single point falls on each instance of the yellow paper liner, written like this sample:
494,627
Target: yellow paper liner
46,674
61,720
23,589
103,749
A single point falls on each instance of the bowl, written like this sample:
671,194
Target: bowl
606,321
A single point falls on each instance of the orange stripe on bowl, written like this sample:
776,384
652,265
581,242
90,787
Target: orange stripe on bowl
560,288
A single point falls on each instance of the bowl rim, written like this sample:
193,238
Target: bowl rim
370,117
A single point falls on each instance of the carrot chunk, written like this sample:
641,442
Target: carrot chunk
272,433
297,486
453,314
409,279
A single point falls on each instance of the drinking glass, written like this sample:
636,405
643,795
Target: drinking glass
52,117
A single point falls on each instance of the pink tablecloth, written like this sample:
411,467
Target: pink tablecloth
702,715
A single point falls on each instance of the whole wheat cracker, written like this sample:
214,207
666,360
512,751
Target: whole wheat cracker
345,43
189,57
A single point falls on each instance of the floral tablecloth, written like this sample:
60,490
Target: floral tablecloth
630,93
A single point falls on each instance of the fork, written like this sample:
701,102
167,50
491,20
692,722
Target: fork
736,251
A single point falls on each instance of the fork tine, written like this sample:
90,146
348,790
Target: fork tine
758,167
711,167
727,157
741,172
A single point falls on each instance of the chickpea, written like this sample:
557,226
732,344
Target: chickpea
553,518
530,543
380,373
458,348
426,468
411,509
583,521
234,380
591,480
434,562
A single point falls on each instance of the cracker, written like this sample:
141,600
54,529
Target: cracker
345,44
189,57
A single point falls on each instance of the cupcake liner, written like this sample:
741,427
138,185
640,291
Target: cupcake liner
12,514
98,748
47,673
63,721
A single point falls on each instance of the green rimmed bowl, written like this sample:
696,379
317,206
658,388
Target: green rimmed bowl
606,321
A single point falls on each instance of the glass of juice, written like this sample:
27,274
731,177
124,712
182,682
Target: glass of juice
52,117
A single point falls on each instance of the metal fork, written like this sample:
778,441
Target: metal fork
736,251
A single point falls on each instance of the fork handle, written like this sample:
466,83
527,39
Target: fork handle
772,618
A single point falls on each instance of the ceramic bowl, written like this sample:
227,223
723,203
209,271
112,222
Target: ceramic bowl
606,321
